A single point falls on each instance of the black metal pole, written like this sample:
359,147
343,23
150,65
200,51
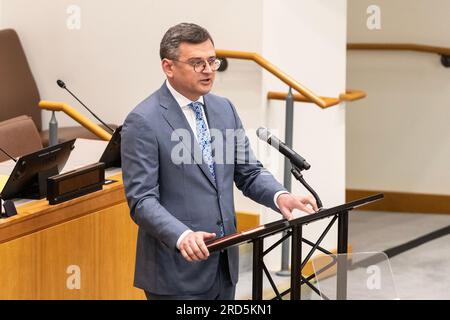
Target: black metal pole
257,290
296,262
342,256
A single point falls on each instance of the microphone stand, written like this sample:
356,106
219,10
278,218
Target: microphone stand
297,173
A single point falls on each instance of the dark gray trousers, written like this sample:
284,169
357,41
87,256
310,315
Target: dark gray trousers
222,289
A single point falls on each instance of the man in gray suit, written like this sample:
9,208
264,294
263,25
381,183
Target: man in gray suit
182,150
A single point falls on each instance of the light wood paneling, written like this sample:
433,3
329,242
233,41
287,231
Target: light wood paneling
69,244
403,202
19,264
247,220
102,245
94,233
116,254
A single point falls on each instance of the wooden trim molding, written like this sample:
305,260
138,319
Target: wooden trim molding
399,47
403,202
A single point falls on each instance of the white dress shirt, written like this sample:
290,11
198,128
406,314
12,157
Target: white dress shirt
184,103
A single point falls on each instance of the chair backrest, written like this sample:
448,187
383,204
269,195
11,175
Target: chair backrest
19,94
19,136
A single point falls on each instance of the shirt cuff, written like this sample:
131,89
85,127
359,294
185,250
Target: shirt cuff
183,235
275,197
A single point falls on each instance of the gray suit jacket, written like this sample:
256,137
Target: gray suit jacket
167,197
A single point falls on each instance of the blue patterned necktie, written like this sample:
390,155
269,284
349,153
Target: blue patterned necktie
204,140
204,137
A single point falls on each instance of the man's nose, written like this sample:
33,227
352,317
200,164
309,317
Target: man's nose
208,68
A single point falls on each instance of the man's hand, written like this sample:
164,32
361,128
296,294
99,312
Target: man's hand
288,202
193,246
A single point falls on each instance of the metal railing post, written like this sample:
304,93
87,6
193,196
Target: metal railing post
53,130
289,128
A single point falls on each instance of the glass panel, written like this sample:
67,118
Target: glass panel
354,276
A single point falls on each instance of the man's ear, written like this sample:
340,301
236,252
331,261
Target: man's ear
167,66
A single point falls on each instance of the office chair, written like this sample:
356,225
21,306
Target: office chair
19,94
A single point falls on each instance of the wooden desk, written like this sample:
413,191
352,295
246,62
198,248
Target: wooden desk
42,246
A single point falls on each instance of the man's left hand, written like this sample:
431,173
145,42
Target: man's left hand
287,202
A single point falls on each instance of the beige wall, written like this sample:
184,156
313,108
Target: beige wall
398,139
307,39
112,64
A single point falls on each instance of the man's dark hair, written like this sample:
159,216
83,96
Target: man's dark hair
183,32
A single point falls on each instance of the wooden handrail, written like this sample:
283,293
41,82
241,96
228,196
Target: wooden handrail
329,102
275,71
399,46
305,95
353,95
350,95
75,115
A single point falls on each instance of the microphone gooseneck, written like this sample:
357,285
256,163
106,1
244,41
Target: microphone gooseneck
62,85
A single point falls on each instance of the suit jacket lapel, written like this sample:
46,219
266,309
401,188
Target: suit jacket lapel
176,119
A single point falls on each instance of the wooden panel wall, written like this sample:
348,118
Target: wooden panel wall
102,245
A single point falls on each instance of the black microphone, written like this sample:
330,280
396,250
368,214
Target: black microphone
62,85
297,160
8,155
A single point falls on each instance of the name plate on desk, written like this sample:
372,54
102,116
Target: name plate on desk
75,183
